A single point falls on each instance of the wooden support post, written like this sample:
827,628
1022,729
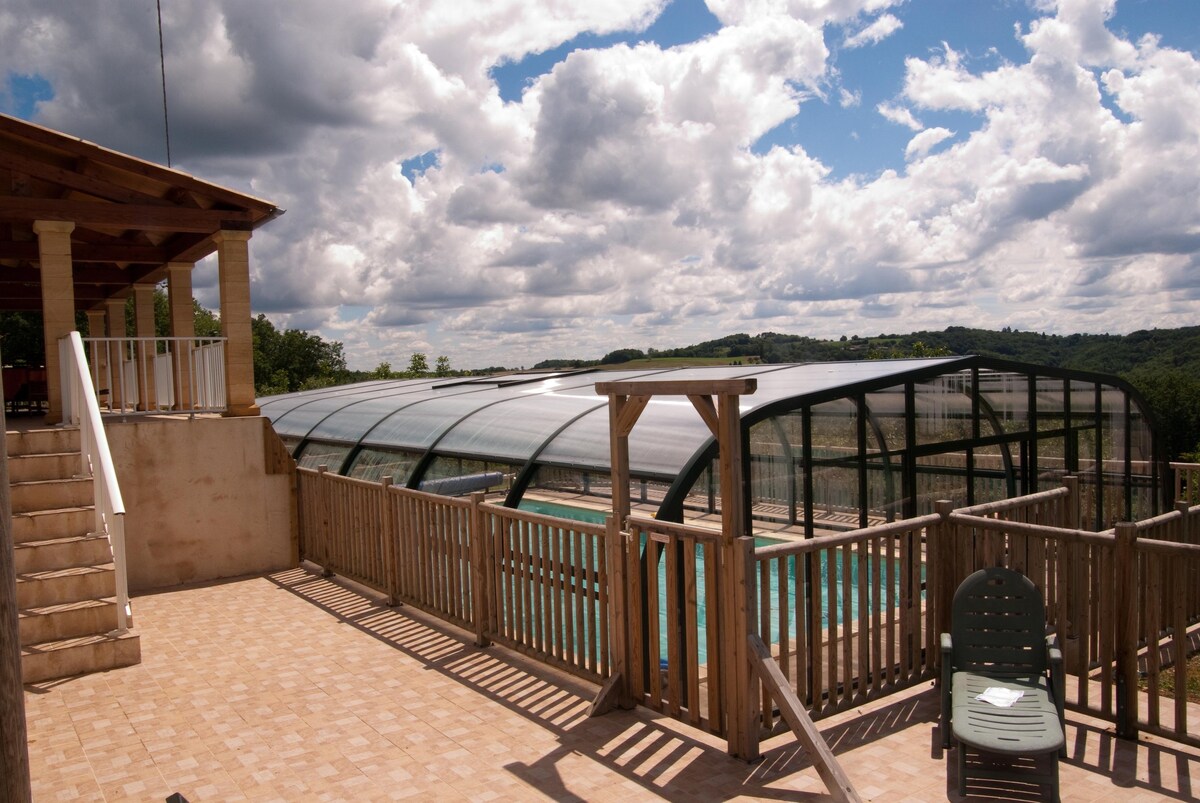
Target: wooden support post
388,524
14,750
481,609
792,710
947,582
1125,567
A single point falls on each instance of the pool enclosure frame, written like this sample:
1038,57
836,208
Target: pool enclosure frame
829,446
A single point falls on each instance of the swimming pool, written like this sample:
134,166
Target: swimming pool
888,571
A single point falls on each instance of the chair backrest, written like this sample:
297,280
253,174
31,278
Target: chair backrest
998,624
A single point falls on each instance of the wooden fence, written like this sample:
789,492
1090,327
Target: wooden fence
666,615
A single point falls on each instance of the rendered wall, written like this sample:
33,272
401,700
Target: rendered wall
205,499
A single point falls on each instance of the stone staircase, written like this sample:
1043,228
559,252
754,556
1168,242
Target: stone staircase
66,581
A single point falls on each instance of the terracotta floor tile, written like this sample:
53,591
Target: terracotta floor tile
293,687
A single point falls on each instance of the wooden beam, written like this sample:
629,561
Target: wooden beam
21,133
76,180
89,252
125,216
708,411
826,763
630,412
678,387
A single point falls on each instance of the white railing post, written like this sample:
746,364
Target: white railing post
97,460
134,364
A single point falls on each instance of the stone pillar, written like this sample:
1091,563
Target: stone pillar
233,265
183,325
143,327
58,302
115,308
98,355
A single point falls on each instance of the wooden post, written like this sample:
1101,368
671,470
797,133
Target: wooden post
944,572
388,524
1125,569
14,749
480,572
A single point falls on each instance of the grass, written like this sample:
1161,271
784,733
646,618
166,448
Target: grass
1166,681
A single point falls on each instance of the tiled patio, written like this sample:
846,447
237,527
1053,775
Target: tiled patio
292,687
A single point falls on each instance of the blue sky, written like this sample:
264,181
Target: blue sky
506,181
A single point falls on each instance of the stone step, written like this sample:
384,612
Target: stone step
57,586
61,553
45,525
77,656
51,494
52,466
52,440
68,620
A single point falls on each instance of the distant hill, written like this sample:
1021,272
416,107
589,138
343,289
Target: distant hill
1109,354
1163,364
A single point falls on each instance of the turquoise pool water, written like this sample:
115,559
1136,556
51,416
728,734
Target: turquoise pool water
838,599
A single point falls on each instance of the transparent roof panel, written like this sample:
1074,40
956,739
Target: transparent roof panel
667,434
517,428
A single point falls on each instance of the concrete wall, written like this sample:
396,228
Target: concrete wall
205,499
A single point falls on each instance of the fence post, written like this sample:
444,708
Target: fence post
327,536
1076,567
1126,582
746,702
388,522
946,550
481,609
619,631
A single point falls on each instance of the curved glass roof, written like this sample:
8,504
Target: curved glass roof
556,420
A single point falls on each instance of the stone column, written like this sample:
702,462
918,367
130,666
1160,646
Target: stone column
233,264
143,327
58,302
98,354
183,325
115,308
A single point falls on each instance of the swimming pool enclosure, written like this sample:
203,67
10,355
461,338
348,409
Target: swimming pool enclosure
831,446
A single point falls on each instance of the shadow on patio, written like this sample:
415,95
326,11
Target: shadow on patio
249,694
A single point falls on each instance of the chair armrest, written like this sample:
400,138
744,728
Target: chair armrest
1058,680
947,674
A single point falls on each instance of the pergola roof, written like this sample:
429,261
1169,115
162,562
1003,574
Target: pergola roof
131,216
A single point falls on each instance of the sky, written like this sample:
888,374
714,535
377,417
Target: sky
507,181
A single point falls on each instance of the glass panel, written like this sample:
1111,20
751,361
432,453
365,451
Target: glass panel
316,454
943,408
516,429
668,433
772,472
478,475
1007,396
887,411
991,483
290,443
375,464
941,476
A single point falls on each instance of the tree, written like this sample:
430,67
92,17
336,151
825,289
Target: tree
293,359
382,371
418,365
443,366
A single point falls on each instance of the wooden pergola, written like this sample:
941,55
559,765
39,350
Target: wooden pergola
83,227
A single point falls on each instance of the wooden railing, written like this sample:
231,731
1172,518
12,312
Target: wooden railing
669,615
846,615
1187,482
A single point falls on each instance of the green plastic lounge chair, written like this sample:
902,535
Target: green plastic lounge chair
998,642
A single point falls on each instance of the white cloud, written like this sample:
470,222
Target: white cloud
618,202
926,141
899,115
877,31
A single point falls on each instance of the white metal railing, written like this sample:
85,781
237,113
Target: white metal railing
158,374
80,407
